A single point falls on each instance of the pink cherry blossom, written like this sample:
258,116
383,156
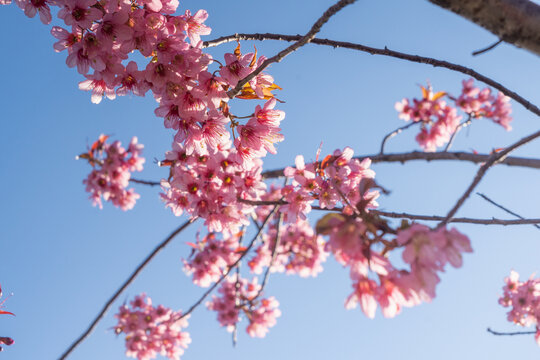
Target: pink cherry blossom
152,330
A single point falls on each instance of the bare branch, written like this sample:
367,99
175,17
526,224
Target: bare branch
432,156
332,10
232,266
145,182
129,280
484,50
503,208
385,52
510,333
394,133
494,158
492,221
273,258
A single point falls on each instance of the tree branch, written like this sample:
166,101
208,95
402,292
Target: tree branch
273,258
432,156
486,49
492,221
494,158
331,11
503,208
510,333
385,52
117,293
516,22
145,182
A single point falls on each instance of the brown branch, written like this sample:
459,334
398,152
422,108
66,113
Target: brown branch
395,133
331,11
492,221
503,208
145,182
273,258
494,158
516,22
237,286
385,52
129,280
510,333
484,50
431,156
232,266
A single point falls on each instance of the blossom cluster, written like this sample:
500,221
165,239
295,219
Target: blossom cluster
298,251
339,178
354,241
439,120
152,330
523,297
100,40
211,257
238,296
210,187
112,167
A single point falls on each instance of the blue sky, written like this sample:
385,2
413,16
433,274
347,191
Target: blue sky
62,258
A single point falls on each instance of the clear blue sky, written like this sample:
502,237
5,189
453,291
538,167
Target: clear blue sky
62,258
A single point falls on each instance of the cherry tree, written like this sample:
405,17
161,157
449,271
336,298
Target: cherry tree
221,103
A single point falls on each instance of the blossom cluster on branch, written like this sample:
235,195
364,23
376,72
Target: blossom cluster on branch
523,299
440,121
152,330
112,166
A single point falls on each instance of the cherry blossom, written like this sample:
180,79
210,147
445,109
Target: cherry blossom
152,330
112,170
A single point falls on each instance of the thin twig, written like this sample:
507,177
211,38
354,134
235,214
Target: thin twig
503,208
494,158
331,11
484,50
510,333
129,280
273,258
394,133
236,288
145,182
458,128
384,52
492,221
232,266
